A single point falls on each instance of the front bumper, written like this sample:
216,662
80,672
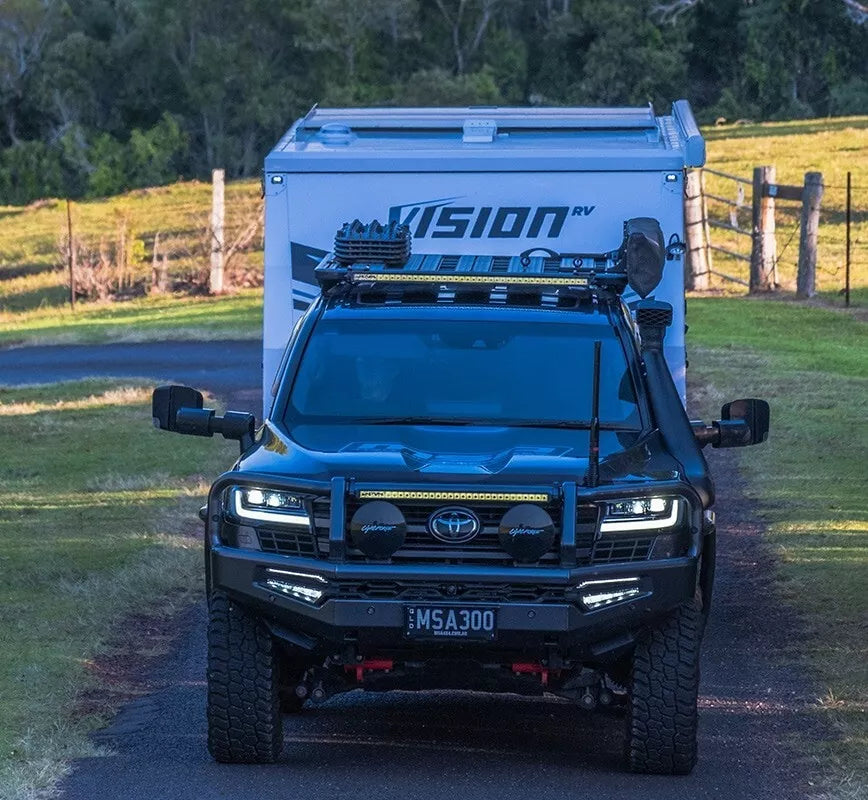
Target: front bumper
565,624
374,620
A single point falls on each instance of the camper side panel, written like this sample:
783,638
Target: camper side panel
495,213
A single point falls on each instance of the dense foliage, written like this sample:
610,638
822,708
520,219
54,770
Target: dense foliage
97,96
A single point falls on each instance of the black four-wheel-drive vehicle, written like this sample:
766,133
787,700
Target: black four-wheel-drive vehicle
476,473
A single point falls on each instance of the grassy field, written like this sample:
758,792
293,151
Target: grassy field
808,482
32,238
97,511
832,147
33,285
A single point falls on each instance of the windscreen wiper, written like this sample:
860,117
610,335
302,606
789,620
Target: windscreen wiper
412,421
573,424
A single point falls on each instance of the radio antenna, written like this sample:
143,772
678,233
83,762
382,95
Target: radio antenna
593,477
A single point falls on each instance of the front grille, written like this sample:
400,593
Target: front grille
586,531
609,551
321,508
420,592
421,546
287,542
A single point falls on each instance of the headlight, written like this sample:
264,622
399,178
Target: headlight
641,514
269,505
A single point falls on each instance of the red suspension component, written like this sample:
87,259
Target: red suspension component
528,668
369,665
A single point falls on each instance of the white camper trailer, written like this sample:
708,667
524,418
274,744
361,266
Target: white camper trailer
474,181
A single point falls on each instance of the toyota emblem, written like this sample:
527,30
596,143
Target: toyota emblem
453,525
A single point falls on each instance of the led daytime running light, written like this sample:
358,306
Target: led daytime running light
294,517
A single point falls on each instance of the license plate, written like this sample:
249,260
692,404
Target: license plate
450,622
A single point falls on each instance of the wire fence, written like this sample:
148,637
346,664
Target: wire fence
728,211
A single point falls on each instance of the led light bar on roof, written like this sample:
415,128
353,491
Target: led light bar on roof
494,497
447,278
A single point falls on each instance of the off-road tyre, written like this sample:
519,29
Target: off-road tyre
664,683
244,722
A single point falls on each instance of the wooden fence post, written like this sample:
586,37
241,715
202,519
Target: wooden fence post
696,267
70,256
763,256
215,283
811,197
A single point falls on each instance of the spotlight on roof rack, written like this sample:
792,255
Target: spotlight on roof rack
643,254
357,243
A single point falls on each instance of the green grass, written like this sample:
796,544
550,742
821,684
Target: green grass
808,480
235,316
96,512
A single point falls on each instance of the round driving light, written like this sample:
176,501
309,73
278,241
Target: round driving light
378,529
527,532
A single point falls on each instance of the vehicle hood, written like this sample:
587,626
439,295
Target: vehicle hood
402,454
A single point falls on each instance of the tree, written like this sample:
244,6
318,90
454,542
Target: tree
467,22
25,27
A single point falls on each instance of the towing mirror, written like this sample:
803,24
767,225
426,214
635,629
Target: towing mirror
742,423
180,409
748,420
167,401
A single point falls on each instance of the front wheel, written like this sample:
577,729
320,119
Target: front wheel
664,684
244,722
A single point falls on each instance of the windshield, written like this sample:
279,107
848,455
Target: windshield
443,370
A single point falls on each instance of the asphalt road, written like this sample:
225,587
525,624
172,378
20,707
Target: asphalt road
451,745
225,366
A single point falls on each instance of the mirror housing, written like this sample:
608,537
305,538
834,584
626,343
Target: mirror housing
743,423
167,401
180,409
752,413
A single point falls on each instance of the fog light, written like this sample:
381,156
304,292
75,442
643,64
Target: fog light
599,594
378,529
526,532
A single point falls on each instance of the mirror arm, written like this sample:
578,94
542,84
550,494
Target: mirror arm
732,433
722,433
705,434
237,425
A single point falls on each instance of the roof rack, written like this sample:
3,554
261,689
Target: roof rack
570,272
370,254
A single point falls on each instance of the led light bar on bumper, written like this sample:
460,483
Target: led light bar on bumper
268,505
608,592
297,585
641,514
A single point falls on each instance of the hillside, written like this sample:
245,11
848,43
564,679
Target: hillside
116,235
